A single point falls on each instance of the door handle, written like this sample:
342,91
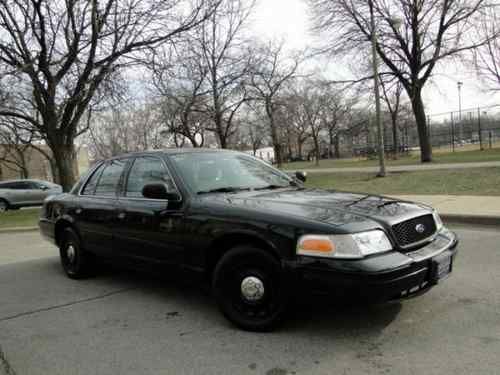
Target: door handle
78,211
121,215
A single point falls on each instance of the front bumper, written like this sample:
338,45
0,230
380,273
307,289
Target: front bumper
378,278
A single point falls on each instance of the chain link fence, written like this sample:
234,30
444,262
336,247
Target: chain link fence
473,128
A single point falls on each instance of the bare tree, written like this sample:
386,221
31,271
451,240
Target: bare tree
15,145
412,38
220,46
126,128
486,59
271,70
296,121
63,53
179,78
392,91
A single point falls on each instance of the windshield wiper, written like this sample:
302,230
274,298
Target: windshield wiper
226,189
387,204
271,187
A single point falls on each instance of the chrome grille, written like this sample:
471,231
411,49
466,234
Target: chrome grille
414,230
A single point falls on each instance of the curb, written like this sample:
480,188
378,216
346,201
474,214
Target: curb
471,219
18,229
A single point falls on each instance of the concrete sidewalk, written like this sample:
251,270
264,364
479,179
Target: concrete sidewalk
462,208
405,168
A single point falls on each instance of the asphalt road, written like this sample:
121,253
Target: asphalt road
124,323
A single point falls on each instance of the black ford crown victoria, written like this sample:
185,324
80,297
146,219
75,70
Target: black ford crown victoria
254,233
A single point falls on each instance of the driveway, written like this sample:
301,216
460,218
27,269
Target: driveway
127,323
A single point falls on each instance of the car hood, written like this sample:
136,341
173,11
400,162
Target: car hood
356,210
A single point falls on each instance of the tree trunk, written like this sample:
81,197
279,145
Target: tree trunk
316,150
423,132
65,163
395,143
331,144
337,146
274,135
300,143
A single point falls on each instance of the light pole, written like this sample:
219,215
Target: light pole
380,135
459,87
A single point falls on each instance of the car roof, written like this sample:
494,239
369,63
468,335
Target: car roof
172,151
26,180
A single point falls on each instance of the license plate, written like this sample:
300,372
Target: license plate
442,267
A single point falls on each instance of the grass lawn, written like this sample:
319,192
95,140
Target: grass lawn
480,181
19,218
440,156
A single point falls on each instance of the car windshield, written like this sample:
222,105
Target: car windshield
211,172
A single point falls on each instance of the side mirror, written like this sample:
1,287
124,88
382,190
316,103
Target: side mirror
301,176
159,191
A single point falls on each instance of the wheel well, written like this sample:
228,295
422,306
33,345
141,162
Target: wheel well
59,230
222,245
6,201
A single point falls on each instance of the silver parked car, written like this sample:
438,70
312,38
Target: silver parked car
22,193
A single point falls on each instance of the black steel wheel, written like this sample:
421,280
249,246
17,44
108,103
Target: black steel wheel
249,288
76,262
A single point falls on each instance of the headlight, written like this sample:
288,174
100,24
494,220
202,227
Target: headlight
344,246
437,220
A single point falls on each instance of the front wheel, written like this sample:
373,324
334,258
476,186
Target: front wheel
76,262
3,206
249,288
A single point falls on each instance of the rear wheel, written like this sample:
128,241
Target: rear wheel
76,262
249,288
3,205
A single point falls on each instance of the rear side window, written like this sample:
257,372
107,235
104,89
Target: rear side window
18,185
147,170
92,182
110,177
9,185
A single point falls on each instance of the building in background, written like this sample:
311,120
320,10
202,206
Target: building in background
35,163
264,153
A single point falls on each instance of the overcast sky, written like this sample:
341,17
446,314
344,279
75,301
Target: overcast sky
289,19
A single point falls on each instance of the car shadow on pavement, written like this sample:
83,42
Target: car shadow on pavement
315,316
184,295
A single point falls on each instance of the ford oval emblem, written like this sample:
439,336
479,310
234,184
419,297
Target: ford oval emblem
420,228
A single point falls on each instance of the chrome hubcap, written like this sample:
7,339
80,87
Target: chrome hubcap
71,253
252,288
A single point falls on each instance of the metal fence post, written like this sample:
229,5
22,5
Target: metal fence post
490,139
480,131
452,133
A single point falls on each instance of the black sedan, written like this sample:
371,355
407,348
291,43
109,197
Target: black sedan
254,233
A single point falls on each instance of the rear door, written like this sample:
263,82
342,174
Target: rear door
18,193
95,211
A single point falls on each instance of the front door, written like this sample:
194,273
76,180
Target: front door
149,229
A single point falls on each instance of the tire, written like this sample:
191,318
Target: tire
260,275
76,262
4,205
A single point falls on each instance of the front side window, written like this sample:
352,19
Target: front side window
26,185
110,177
217,171
147,170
